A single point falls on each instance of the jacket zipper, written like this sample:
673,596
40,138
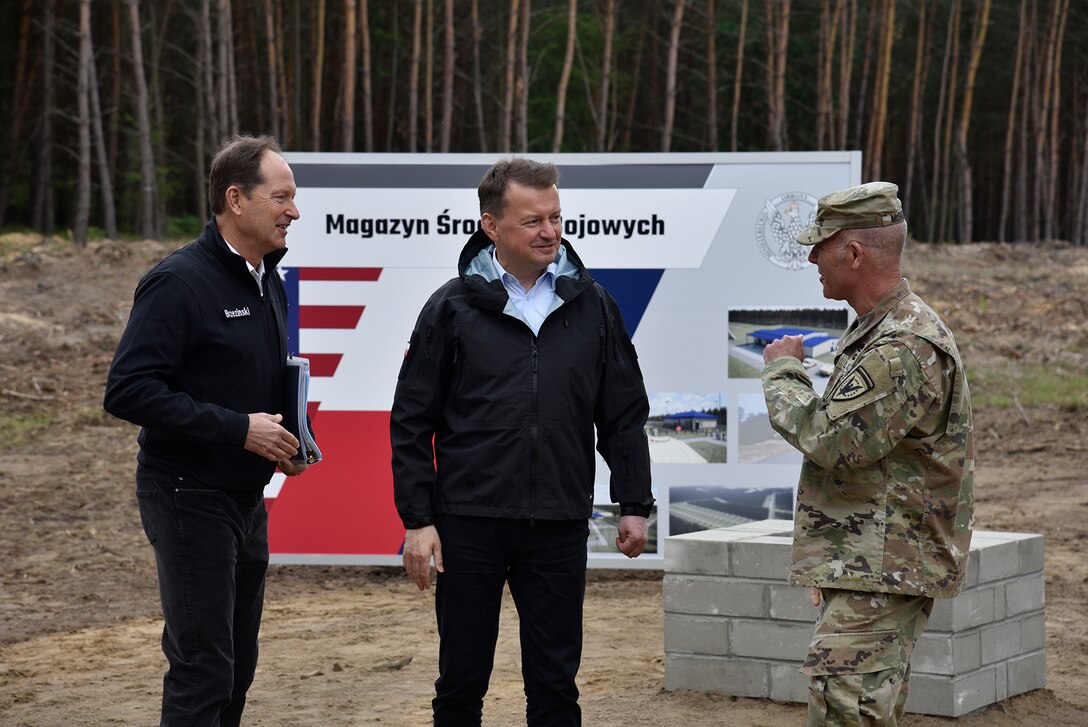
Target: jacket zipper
532,443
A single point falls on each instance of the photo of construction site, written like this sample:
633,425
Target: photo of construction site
750,330
701,507
686,428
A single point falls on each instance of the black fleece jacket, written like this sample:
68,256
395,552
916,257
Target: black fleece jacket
507,416
202,350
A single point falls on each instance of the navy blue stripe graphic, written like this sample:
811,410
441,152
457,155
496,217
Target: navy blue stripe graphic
632,290
462,176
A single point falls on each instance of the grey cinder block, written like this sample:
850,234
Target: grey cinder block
1033,632
712,596
930,694
761,557
738,677
788,684
947,654
1027,672
1000,641
791,603
998,560
696,634
703,557
769,639
1025,594
972,607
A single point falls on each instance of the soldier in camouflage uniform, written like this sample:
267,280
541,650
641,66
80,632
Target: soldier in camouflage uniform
884,504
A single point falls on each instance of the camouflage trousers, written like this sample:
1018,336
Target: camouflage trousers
859,658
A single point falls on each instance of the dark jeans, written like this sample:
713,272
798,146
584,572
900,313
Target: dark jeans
211,549
545,565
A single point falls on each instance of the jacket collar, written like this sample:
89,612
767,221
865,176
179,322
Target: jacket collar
863,324
212,241
477,268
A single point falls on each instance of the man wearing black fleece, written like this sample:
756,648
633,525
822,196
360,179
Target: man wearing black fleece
201,368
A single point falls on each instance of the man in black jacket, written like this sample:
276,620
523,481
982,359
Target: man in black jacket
510,367
201,368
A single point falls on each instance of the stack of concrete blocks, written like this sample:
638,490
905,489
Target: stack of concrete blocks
734,626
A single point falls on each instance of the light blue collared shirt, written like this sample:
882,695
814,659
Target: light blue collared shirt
534,304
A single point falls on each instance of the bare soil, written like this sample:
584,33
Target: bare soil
79,615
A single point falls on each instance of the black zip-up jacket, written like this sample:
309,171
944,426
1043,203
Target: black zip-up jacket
511,414
202,350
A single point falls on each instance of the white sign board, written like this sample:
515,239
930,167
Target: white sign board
697,250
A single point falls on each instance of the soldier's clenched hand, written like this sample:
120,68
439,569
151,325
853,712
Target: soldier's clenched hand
785,346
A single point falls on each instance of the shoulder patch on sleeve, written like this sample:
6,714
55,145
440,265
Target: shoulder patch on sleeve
871,380
853,385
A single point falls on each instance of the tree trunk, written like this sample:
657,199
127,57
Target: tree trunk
1010,128
825,55
921,68
19,103
272,58
947,83
158,40
1023,206
636,78
448,68
1080,218
319,63
564,78
143,125
413,77
738,74
880,94
347,110
521,86
281,79
606,75
477,79
83,177
368,81
871,32
778,33
670,75
115,86
949,124
711,78
1040,223
428,81
44,216
232,77
1054,192
208,63
223,86
507,122
105,180
846,71
982,22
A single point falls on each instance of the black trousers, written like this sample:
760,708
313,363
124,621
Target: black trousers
545,564
211,550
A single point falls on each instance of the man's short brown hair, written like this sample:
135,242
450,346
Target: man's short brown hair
238,164
492,189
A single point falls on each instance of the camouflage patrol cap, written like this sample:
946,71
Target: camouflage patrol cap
873,204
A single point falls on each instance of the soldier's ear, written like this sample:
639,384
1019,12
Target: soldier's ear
855,252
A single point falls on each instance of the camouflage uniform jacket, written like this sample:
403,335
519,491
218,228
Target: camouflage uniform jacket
885,498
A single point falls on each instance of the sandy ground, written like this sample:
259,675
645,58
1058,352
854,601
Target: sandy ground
79,624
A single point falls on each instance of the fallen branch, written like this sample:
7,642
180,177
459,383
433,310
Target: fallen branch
32,397
1023,414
